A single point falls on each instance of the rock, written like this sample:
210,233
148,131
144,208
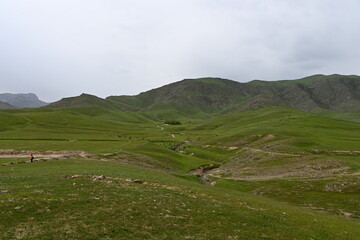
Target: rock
96,178
4,191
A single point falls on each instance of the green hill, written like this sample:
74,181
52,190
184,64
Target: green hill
84,100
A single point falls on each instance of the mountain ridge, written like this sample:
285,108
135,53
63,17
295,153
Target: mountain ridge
208,96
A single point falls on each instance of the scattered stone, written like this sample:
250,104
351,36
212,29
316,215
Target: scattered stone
348,186
44,191
17,208
96,178
75,176
232,148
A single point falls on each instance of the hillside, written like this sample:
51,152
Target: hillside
22,100
84,100
334,92
212,95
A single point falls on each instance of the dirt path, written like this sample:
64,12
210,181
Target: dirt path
40,155
337,152
273,152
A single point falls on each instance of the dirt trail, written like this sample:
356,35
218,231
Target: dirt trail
273,152
40,155
341,152
161,128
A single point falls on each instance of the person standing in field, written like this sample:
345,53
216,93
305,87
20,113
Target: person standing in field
31,158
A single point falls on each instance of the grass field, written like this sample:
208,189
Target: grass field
280,174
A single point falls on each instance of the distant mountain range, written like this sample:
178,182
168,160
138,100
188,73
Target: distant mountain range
215,96
208,96
4,105
20,100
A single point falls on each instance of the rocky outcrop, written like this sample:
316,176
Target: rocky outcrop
22,100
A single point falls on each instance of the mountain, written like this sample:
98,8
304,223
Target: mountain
84,100
22,100
333,92
188,97
4,105
209,96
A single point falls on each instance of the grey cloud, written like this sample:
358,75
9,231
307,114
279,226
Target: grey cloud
64,48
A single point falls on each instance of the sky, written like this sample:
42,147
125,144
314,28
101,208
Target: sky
63,48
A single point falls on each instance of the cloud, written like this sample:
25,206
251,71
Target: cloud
64,48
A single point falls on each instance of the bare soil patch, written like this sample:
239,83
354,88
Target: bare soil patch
41,155
259,164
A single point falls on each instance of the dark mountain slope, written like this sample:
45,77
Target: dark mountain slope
22,100
84,100
335,92
208,96
205,94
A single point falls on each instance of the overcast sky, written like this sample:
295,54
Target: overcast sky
62,48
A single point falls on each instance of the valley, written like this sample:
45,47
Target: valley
102,172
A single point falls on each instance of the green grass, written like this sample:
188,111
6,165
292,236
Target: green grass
305,192
38,202
41,204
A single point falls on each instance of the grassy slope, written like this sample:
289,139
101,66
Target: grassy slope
93,130
119,210
42,204
302,131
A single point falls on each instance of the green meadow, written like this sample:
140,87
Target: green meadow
271,173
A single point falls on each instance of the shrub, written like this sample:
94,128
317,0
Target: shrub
173,122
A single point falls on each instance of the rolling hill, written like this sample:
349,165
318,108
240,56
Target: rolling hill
84,100
270,173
